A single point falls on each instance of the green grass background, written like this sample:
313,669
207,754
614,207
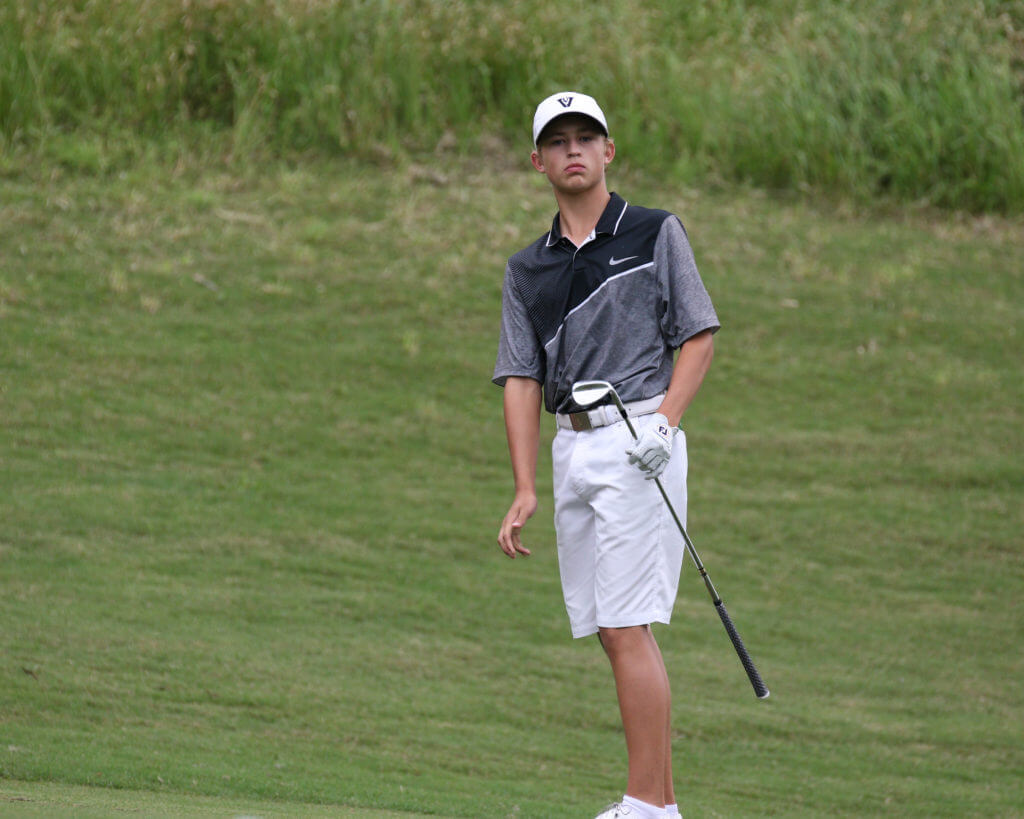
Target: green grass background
253,469
915,101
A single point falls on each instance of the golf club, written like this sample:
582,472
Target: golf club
589,393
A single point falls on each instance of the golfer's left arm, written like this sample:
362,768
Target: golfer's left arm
688,373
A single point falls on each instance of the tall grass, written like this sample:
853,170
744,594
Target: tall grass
917,100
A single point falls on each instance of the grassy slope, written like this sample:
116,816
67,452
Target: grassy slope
253,470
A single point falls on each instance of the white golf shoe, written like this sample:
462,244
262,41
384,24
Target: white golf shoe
615,811
621,811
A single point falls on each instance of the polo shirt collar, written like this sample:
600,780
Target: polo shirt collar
608,223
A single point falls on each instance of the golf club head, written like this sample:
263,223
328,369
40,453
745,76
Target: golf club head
588,393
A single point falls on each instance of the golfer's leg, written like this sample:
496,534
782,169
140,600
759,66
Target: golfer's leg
670,791
642,688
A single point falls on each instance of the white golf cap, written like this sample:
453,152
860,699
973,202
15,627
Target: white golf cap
566,102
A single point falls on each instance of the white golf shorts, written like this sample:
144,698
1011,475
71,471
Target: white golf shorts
619,551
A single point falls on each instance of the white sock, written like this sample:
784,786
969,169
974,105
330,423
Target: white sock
643,810
672,810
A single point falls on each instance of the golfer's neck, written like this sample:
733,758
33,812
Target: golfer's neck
578,213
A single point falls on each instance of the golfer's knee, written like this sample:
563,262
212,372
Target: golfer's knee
617,641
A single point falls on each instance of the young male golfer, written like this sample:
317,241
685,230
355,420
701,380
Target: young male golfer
610,293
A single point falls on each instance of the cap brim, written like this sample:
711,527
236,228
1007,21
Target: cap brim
553,120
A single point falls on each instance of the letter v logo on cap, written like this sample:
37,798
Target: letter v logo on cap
565,101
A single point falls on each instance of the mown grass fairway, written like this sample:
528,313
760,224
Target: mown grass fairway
253,469
46,799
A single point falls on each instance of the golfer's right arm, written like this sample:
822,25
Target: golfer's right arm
522,426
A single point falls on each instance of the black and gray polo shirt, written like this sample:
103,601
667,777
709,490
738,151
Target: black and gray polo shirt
615,309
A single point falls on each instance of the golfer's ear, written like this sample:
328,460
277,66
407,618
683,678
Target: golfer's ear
538,161
609,150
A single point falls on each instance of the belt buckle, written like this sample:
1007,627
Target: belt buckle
580,421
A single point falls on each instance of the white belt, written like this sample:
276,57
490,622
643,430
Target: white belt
606,414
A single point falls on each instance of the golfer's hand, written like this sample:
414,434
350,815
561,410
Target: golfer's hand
522,510
651,451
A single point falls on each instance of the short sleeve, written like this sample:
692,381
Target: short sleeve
685,308
519,351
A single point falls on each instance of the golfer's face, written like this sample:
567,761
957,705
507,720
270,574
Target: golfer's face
573,153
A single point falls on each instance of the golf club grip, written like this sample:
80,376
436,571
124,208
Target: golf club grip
755,679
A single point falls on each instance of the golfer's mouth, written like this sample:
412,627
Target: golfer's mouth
576,169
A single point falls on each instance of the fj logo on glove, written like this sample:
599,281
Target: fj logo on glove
653,448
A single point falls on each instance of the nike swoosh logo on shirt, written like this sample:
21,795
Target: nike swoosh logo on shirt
613,261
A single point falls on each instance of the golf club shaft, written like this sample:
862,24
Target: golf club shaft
679,524
760,689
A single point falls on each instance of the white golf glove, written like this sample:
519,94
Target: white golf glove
653,448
